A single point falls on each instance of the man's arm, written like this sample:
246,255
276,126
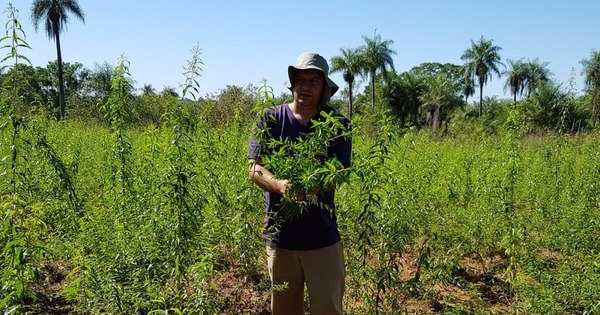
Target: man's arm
265,179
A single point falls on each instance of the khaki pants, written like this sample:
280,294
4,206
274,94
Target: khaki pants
322,270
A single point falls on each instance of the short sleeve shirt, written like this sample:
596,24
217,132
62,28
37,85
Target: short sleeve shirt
316,227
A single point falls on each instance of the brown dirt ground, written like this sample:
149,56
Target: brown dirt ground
47,291
477,280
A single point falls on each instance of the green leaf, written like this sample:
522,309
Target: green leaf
176,310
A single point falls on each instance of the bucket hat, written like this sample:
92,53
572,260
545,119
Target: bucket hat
311,60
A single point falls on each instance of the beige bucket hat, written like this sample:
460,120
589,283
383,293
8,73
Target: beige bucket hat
311,60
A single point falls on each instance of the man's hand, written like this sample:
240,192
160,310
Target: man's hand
282,186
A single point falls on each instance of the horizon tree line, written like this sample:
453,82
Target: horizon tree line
370,60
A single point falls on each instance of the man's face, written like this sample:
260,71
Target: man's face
308,87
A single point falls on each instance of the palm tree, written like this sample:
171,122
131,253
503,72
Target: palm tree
525,76
482,59
440,93
55,16
516,78
148,89
376,55
170,91
591,72
468,83
468,87
536,73
414,86
348,62
99,81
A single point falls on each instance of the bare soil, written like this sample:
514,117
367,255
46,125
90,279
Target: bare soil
477,282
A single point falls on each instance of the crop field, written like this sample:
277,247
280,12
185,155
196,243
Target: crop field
164,220
141,203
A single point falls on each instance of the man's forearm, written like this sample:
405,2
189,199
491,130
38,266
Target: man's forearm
265,179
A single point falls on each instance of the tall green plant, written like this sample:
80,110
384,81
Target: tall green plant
65,178
185,210
9,103
246,235
117,113
21,229
514,233
297,161
366,231
192,71
22,233
10,108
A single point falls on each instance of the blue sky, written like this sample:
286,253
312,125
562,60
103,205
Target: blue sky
246,41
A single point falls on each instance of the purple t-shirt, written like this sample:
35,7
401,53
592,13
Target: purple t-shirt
316,227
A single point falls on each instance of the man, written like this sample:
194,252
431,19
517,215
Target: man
305,248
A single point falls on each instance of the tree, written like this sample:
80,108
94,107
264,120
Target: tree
231,104
74,76
402,95
417,79
414,86
348,62
468,87
516,78
525,76
100,81
536,73
591,72
440,94
554,108
169,90
148,89
55,16
454,73
75,80
482,60
39,85
27,79
376,55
